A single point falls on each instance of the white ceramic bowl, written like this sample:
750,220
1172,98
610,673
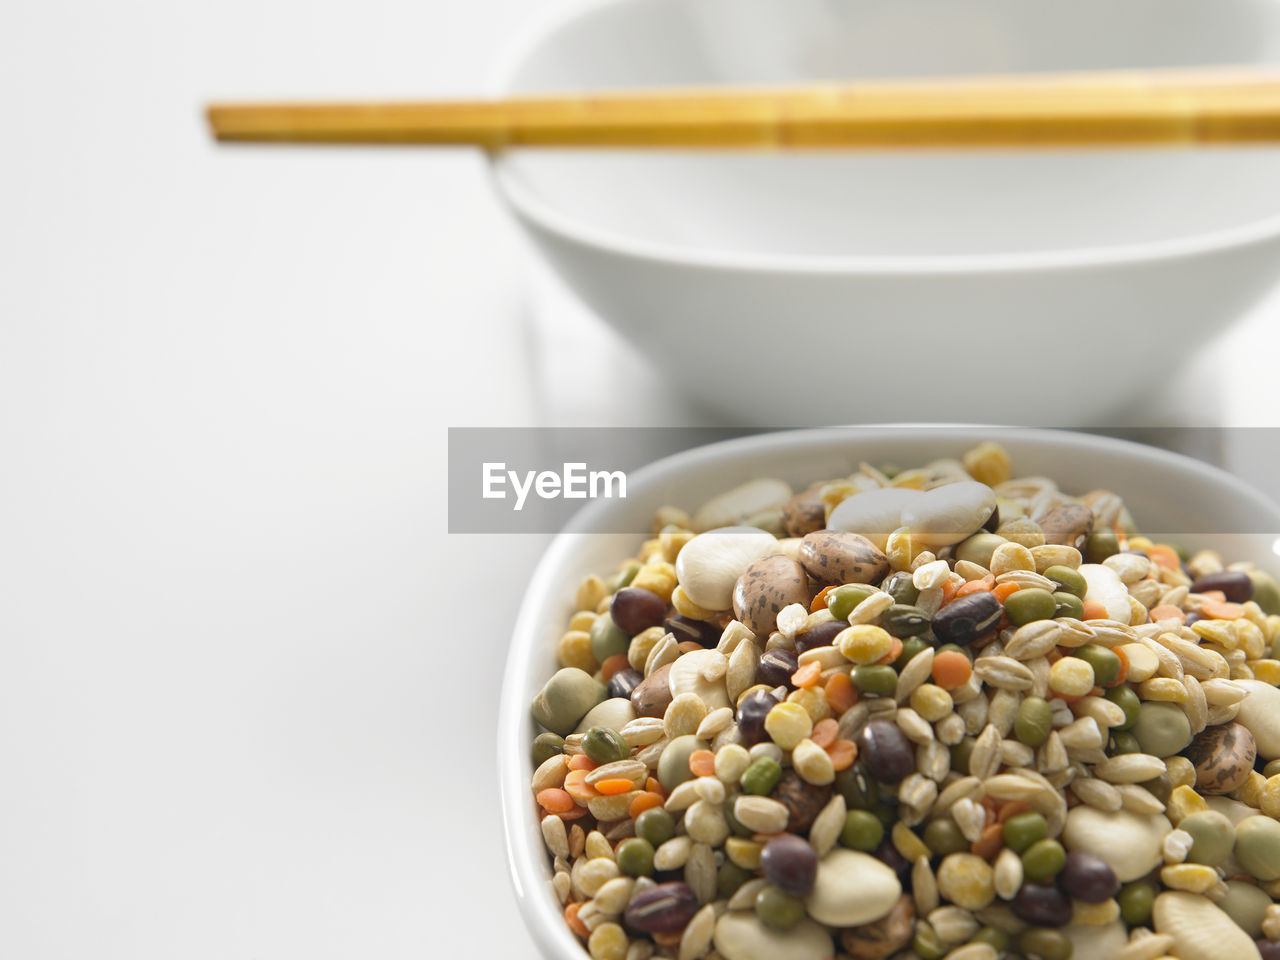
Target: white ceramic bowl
793,289
1162,490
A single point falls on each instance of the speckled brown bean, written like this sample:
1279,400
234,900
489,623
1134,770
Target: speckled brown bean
1067,523
653,695
1223,757
833,556
885,937
805,512
804,801
767,586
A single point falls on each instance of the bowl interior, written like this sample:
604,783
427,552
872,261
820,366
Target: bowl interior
1167,494
847,204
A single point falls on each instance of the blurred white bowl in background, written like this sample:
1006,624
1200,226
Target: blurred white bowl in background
1031,287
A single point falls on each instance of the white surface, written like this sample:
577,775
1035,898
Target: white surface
231,620
872,272
1154,484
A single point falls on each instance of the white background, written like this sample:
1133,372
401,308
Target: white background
247,680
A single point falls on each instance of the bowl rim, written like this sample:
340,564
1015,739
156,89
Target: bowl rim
528,205
526,859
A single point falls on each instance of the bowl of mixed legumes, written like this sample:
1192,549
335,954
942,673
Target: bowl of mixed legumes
903,693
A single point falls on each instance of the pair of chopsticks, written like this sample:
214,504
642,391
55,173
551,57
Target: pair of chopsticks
1120,109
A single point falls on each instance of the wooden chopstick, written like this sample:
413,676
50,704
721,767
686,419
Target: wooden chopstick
1127,108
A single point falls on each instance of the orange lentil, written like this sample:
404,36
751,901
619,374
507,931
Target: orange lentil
842,754
1165,556
976,586
653,785
1214,595
992,806
574,924
575,784
643,801
612,665
989,843
702,763
1221,610
820,601
688,646
895,651
824,732
613,786
808,675
1167,611
840,693
1093,610
1123,673
951,669
949,591
571,815
1004,590
1012,809
581,761
554,800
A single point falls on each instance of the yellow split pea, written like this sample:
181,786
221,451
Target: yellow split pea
787,724
864,643
1071,676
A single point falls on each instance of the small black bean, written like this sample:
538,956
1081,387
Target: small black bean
823,635
888,854
964,620
776,667
664,908
790,863
1087,878
754,707
888,754
624,681
699,631
1269,949
1042,906
993,521
1235,586
860,792
635,609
